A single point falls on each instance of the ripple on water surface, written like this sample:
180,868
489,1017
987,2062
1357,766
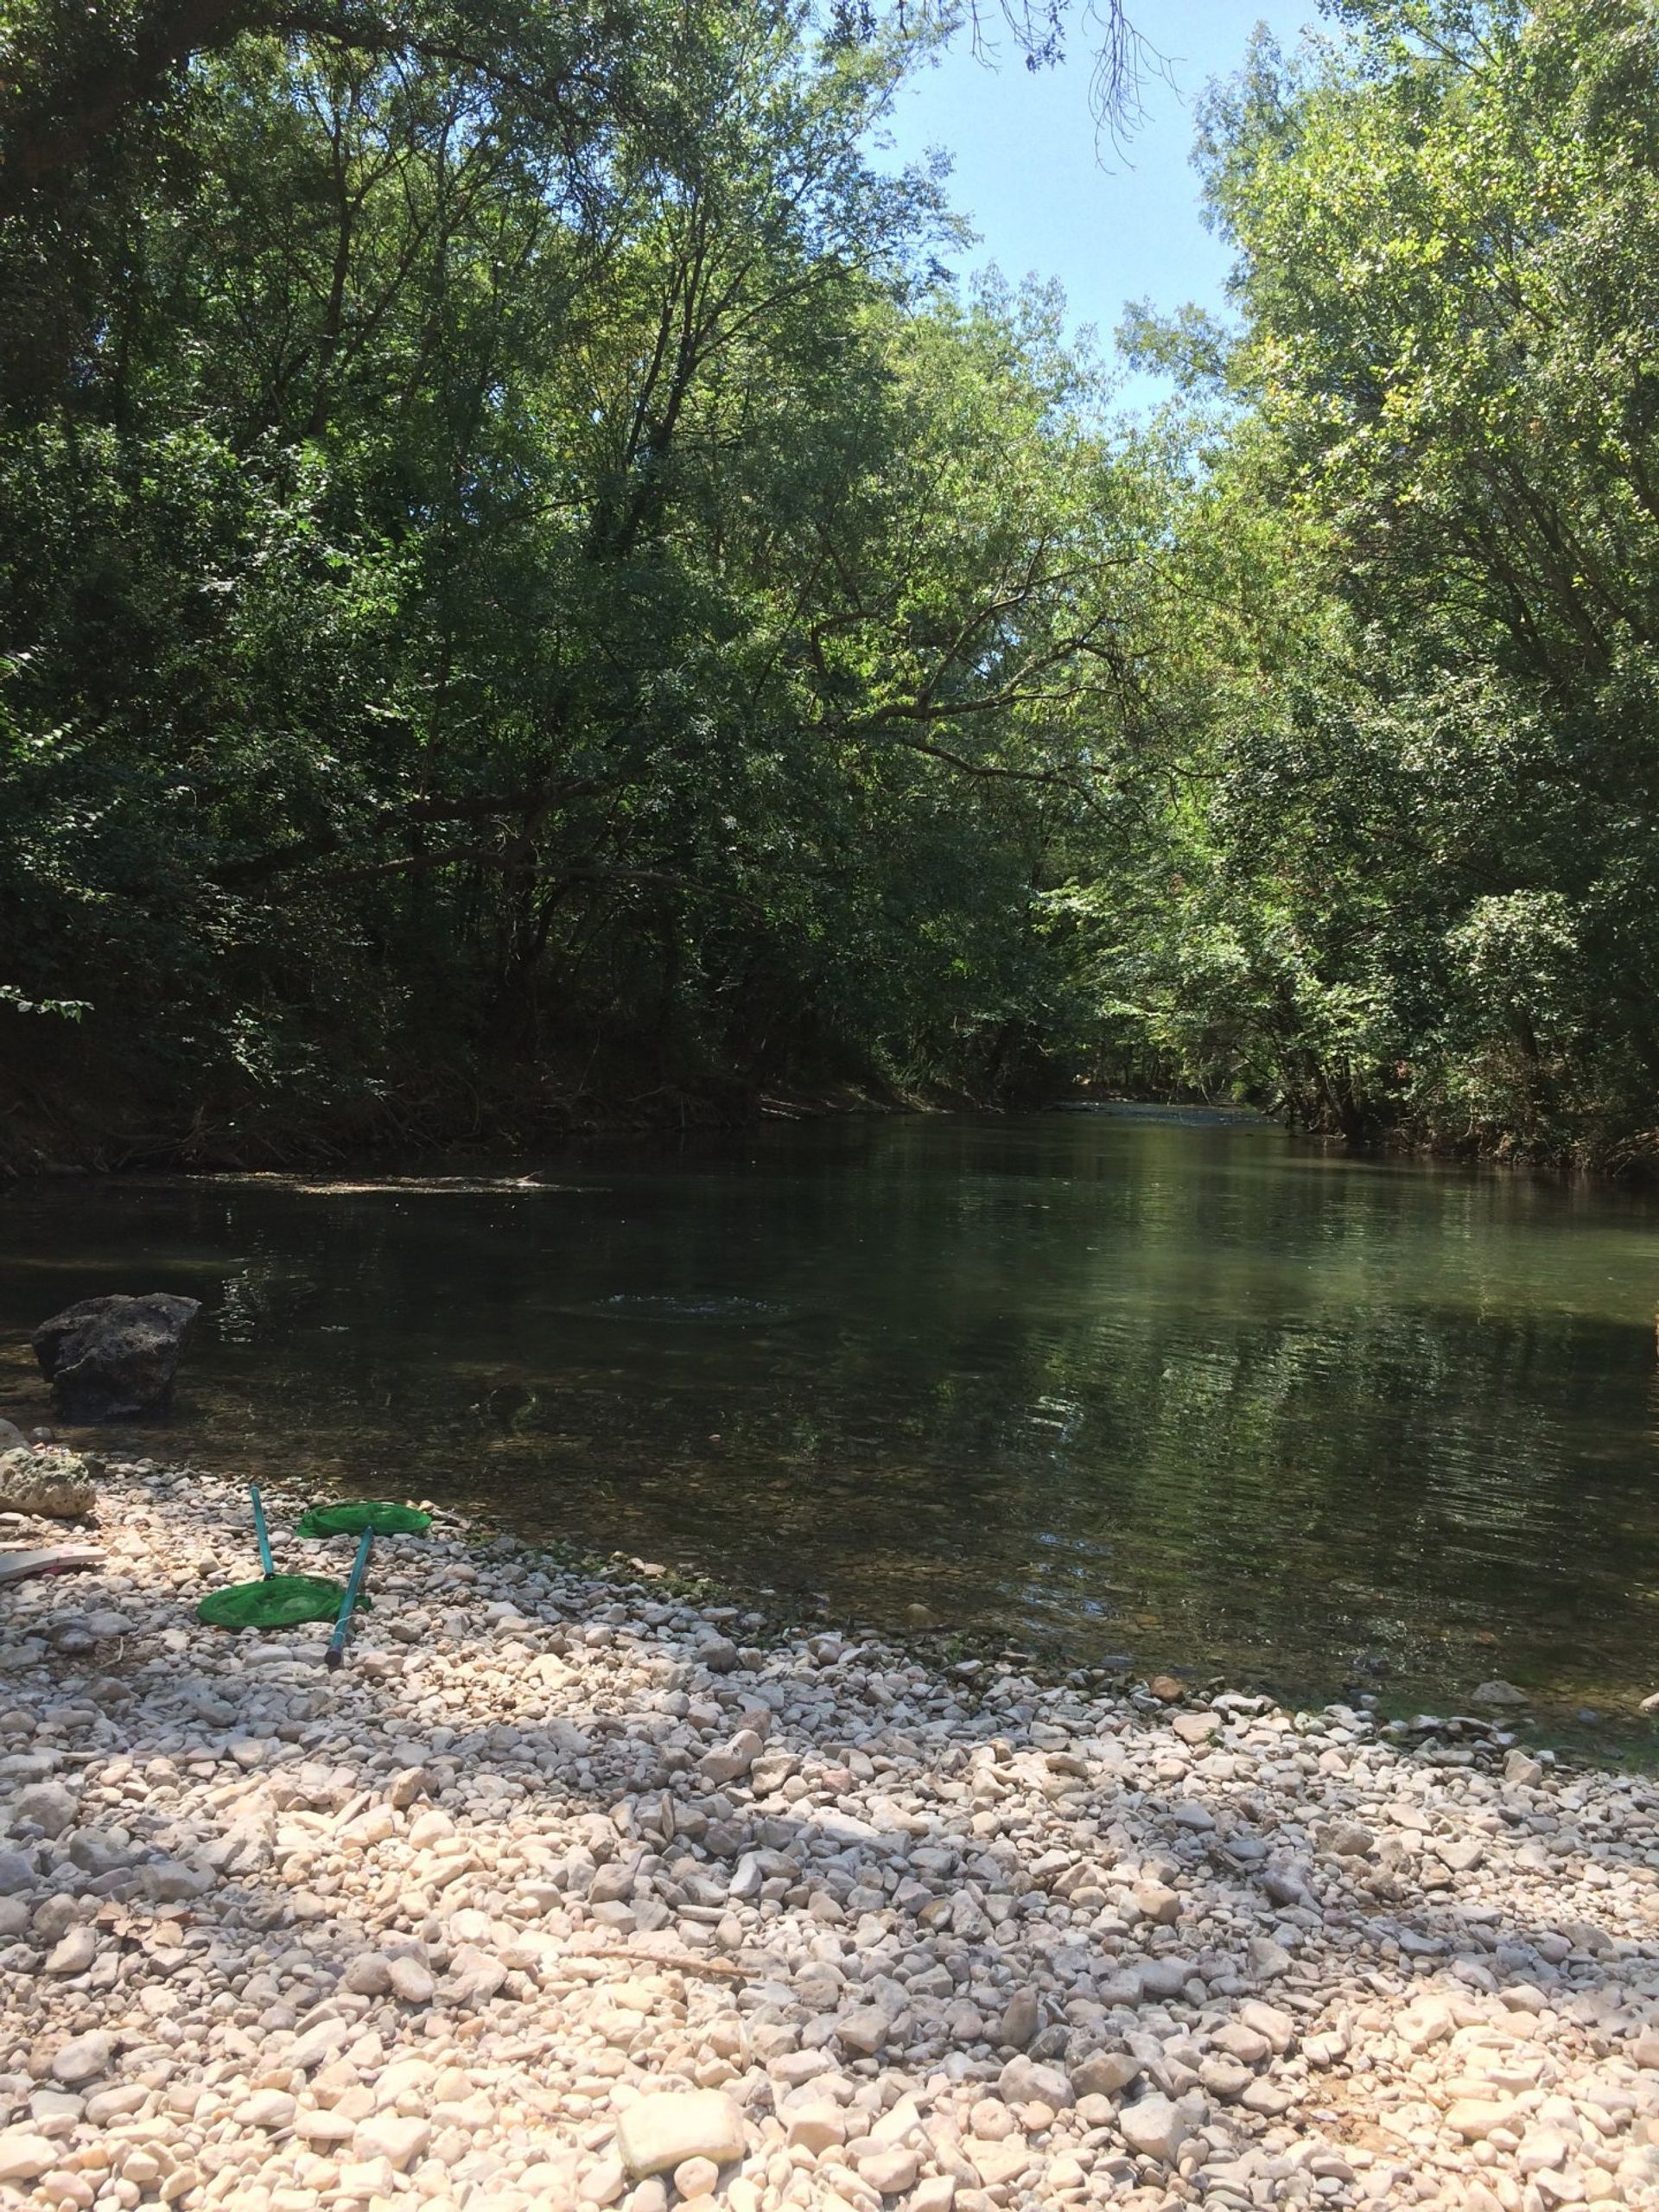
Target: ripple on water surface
653,1308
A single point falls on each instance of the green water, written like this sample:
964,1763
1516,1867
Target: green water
1181,1389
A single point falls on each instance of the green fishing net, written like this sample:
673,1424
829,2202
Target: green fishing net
279,1601
352,1519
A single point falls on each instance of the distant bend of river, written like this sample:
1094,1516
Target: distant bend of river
1171,1385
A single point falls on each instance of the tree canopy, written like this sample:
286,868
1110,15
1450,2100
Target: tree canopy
525,590
1412,866
517,594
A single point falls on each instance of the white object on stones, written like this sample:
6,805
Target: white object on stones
23,1565
661,2131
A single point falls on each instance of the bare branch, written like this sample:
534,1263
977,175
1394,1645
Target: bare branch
1125,59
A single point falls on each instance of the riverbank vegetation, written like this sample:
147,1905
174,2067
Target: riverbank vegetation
526,594
1409,878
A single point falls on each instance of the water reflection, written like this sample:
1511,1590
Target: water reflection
1187,1389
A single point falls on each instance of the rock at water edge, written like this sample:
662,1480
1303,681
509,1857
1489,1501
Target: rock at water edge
109,1358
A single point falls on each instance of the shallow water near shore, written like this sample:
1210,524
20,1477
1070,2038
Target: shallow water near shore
1171,1386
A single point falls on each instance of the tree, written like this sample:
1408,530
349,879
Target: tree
1436,824
498,611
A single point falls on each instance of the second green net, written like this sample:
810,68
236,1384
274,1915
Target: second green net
350,1519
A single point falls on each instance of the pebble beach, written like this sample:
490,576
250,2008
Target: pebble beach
568,1891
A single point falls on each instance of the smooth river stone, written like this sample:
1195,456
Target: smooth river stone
660,2133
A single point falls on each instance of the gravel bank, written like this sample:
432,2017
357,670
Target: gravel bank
561,1895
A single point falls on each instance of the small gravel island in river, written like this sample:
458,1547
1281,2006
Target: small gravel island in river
561,1895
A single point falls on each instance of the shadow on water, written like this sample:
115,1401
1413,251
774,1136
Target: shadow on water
1098,1382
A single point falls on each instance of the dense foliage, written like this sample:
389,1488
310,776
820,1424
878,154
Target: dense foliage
523,593
1411,878
520,589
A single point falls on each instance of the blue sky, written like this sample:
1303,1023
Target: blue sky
1046,199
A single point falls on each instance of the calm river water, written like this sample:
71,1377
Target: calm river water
1176,1387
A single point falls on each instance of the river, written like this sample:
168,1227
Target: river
1173,1386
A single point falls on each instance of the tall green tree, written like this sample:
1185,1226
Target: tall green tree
1417,856
505,606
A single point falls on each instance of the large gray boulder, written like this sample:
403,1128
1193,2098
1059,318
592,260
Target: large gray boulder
107,1357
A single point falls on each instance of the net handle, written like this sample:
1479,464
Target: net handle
266,1562
336,1651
